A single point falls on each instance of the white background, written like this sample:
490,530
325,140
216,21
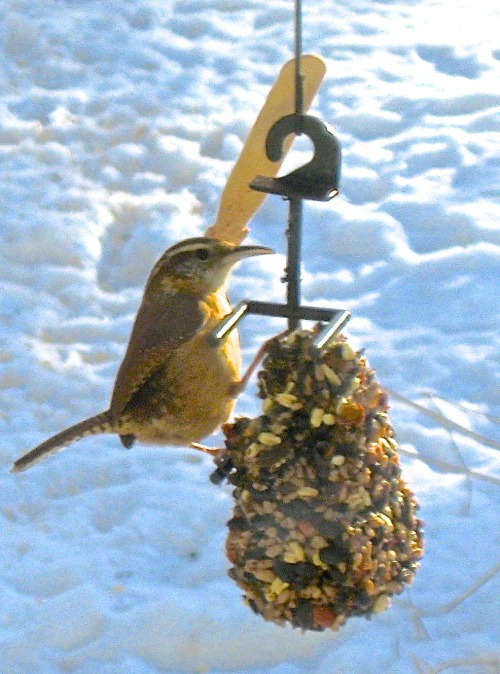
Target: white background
119,123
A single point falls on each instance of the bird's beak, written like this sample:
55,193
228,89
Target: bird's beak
241,252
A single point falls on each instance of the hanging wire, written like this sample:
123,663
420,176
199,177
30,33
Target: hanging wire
299,97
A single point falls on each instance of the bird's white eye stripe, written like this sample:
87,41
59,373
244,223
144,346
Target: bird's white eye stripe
190,245
201,251
182,249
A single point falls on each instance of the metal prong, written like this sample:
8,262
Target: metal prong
224,327
335,325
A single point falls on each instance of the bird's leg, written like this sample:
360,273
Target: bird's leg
236,388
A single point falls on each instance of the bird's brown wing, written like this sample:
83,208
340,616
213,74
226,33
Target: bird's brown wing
160,327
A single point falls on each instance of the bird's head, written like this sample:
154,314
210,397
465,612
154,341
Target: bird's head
199,265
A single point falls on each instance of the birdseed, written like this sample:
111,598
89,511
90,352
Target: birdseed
323,527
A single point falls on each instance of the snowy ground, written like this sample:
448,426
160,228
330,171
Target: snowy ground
119,124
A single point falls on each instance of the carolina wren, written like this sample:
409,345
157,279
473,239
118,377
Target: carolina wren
173,387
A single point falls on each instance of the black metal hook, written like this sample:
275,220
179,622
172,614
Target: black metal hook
317,180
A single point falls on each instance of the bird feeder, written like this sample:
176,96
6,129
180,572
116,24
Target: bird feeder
324,526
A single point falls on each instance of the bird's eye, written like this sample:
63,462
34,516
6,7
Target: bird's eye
202,254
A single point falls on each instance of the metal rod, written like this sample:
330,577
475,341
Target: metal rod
283,311
335,319
294,232
227,324
337,322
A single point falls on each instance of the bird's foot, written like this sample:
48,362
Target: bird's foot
213,451
236,388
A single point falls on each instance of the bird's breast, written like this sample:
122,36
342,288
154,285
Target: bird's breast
190,395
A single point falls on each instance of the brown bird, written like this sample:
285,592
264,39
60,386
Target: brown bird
173,387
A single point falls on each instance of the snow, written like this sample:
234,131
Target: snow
119,123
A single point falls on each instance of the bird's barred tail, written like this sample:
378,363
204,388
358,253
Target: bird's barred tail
100,423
